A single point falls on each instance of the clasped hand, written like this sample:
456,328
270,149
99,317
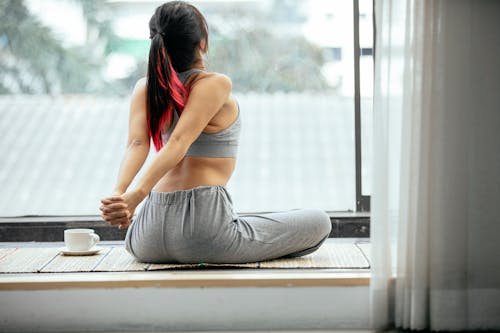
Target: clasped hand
118,209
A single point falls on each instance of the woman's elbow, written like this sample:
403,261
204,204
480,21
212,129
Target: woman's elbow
138,144
179,142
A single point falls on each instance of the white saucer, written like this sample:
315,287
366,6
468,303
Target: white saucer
67,252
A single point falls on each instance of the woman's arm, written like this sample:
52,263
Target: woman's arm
138,139
114,209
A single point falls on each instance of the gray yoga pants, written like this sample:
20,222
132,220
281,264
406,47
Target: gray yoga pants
199,225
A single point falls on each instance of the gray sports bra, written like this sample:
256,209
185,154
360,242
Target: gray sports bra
220,144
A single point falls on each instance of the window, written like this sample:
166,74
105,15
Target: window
67,68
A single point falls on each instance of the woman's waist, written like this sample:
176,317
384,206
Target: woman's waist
171,185
191,173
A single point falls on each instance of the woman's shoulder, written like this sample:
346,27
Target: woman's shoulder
204,80
141,83
212,80
139,92
214,76
140,87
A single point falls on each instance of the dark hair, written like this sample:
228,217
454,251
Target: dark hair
176,29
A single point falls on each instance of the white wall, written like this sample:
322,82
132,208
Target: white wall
150,309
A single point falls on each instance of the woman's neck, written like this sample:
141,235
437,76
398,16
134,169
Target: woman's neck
198,63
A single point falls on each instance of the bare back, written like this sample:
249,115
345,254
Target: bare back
193,171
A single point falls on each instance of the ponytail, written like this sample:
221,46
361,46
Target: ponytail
165,92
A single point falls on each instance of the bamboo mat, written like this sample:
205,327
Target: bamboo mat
27,260
116,259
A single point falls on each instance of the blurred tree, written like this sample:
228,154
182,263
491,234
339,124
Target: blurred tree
101,40
257,48
260,53
32,60
260,62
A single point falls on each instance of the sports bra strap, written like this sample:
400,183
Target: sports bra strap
183,76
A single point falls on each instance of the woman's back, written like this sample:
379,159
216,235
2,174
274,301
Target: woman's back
211,158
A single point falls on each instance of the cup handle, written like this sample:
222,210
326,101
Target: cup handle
95,239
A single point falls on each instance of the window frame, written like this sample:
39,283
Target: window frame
51,228
362,201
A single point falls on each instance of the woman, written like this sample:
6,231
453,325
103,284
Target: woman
194,123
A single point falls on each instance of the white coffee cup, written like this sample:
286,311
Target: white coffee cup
80,239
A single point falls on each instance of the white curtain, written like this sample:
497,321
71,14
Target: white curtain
436,192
